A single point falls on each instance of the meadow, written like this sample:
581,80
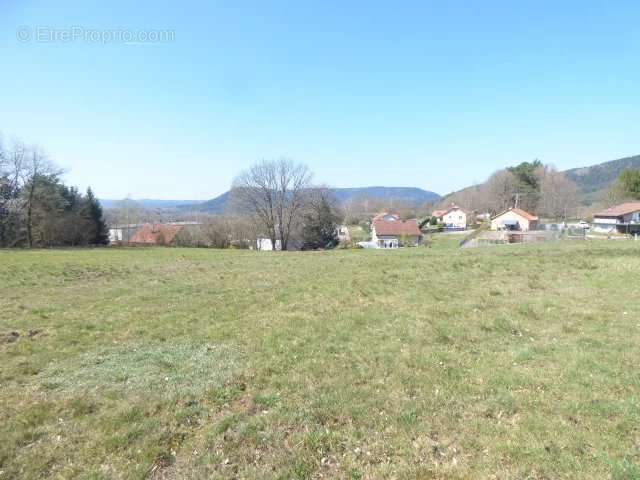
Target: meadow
506,362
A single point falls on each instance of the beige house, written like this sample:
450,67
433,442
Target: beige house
514,219
623,218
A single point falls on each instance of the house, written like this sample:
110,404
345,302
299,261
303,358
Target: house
514,219
624,218
456,218
119,234
388,231
344,236
264,244
156,234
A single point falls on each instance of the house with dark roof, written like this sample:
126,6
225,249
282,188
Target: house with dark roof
624,218
388,231
514,219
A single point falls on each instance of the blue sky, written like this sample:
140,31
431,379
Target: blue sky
435,95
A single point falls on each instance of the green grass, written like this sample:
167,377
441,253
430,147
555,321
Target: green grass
507,362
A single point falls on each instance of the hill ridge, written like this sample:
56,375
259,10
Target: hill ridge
413,195
592,182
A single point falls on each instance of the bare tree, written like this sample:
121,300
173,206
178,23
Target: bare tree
12,175
501,189
293,183
37,171
274,193
558,197
13,166
253,193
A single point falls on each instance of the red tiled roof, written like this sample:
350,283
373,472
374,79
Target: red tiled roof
397,227
443,212
156,234
456,207
520,212
619,210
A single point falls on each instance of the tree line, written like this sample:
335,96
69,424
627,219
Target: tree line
272,199
531,186
38,210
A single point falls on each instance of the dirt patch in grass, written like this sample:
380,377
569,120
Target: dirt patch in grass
186,369
9,337
14,335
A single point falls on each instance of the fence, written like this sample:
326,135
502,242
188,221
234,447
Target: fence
576,233
489,238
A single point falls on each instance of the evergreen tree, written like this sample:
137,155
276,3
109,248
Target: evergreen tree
44,205
629,183
100,233
527,194
320,227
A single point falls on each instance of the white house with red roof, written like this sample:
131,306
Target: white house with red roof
388,231
456,218
514,219
624,218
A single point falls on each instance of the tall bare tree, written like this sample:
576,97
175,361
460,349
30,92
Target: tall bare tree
501,189
558,194
12,175
274,193
37,175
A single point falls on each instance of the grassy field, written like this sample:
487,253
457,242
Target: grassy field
505,362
